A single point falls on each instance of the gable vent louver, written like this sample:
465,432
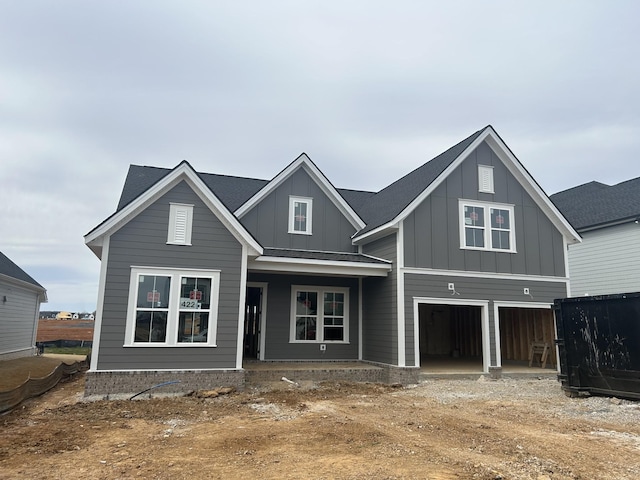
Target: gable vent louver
485,179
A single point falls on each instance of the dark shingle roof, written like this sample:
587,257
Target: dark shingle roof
232,191
595,203
10,269
375,209
390,201
315,255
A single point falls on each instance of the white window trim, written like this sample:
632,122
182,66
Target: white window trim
320,314
176,275
485,179
487,225
309,202
176,209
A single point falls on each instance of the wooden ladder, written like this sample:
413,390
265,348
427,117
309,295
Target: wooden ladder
539,348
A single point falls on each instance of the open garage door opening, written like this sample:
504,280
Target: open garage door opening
527,339
450,338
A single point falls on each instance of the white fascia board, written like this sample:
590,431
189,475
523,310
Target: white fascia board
184,172
319,267
532,188
321,180
378,232
493,275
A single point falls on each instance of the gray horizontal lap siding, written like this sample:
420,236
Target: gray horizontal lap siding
472,288
142,242
17,318
268,221
380,308
432,231
278,319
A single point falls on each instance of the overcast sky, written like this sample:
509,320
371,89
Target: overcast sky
369,90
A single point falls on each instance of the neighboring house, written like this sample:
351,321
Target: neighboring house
461,258
20,299
63,316
608,259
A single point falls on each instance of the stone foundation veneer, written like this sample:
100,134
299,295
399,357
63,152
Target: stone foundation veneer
114,382
402,375
132,382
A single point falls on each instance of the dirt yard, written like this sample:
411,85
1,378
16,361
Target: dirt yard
441,429
51,330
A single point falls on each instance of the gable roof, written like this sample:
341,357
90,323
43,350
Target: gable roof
371,213
13,271
232,191
146,189
305,163
391,205
594,205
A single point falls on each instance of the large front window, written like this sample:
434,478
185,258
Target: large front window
319,314
486,226
172,307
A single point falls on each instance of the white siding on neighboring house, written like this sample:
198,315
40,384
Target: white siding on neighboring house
607,261
18,320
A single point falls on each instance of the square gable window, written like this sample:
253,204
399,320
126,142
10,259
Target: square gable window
487,226
300,215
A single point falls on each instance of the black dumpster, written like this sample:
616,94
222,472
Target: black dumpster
598,339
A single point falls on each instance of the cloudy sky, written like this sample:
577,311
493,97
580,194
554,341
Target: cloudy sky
369,89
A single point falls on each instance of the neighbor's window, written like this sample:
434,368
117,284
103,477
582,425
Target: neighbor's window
300,215
319,314
486,226
180,221
172,307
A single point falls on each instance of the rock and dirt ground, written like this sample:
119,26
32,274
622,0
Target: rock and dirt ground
440,429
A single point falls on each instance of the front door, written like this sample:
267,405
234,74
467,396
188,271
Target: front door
252,322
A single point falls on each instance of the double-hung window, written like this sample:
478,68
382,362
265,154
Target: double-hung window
172,307
300,215
487,226
319,314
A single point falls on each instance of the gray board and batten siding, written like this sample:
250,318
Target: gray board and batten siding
380,307
143,242
472,288
268,221
278,319
432,230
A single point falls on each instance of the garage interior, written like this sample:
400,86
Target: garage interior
450,338
525,335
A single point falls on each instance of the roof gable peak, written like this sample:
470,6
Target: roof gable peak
181,172
303,161
413,188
